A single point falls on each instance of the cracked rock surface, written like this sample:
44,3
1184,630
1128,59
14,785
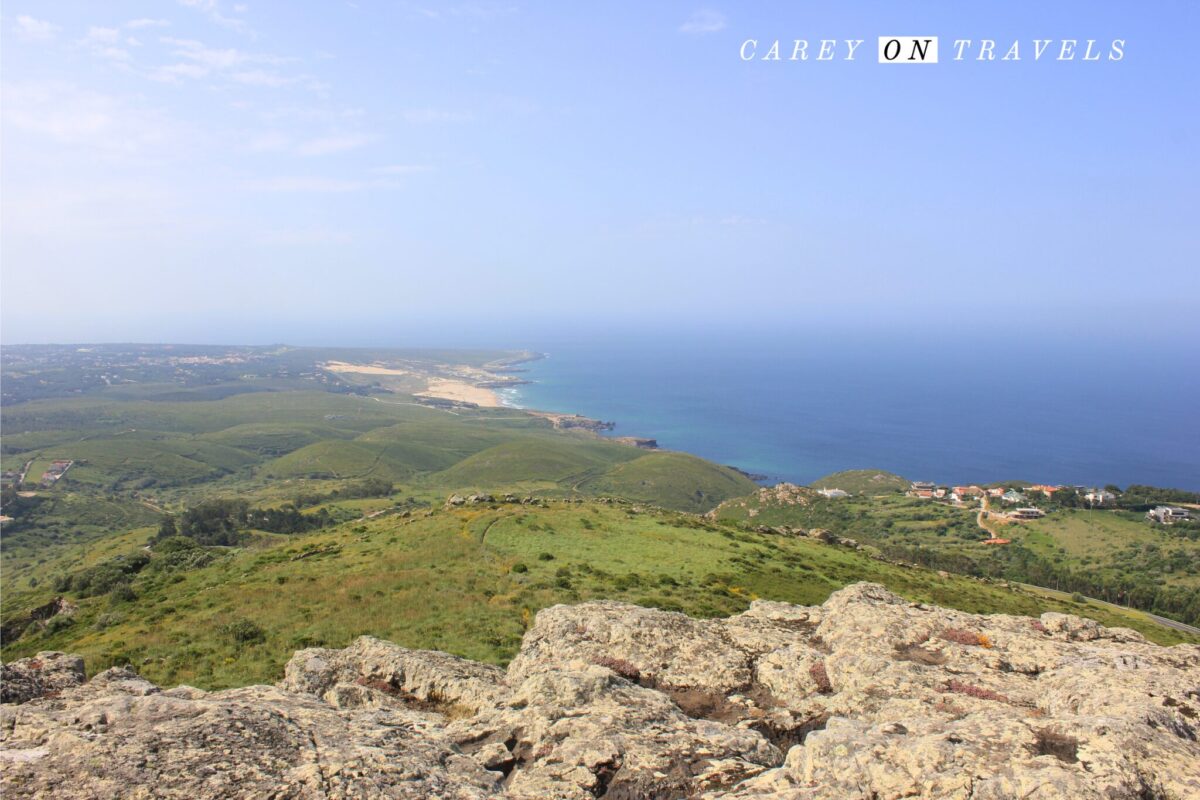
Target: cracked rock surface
865,696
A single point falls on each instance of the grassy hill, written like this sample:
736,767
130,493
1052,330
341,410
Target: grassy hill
863,481
672,480
465,580
360,480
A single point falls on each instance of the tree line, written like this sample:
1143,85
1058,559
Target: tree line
1020,565
225,521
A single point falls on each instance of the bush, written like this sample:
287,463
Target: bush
107,621
243,631
545,556
520,567
122,593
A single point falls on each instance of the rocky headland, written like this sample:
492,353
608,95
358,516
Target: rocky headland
865,696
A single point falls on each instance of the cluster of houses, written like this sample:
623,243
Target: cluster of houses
1009,496
56,470
956,494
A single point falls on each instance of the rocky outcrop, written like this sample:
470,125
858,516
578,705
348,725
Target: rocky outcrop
46,673
865,696
37,618
573,422
778,496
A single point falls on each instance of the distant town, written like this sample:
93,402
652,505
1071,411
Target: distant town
1019,502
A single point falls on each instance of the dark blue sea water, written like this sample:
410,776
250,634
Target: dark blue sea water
949,412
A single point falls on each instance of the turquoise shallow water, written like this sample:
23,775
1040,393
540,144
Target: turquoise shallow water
796,411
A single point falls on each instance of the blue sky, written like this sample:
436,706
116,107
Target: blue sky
362,171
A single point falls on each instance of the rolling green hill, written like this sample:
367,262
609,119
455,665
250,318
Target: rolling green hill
863,481
672,480
534,459
467,581
353,486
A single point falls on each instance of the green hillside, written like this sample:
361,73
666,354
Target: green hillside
467,581
863,481
314,514
672,480
534,459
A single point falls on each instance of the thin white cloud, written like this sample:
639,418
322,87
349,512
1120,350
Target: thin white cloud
103,42
258,77
403,169
201,60
103,35
100,123
269,142
36,30
703,21
146,22
305,183
212,9
332,144
173,73
428,116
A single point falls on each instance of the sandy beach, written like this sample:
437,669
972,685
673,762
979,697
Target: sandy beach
461,391
362,369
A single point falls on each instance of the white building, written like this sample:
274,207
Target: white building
1168,514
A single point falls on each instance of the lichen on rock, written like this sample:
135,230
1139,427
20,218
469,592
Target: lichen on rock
866,696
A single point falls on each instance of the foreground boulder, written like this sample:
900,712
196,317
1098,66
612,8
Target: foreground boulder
866,696
46,673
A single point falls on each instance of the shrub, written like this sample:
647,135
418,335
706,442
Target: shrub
545,556
107,620
243,631
520,567
122,593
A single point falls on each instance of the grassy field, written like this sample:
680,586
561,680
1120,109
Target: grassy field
1112,542
467,581
136,459
608,520
863,481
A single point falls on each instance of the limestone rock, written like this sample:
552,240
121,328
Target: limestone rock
45,673
866,696
422,678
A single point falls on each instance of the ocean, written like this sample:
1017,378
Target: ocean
963,412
